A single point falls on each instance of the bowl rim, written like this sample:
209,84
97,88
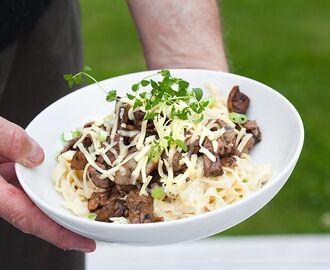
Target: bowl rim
61,215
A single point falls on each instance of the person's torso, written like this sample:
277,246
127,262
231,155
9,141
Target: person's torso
18,17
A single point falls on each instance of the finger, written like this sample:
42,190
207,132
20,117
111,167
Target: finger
17,146
7,170
3,159
14,181
19,210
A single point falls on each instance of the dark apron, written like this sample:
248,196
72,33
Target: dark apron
31,78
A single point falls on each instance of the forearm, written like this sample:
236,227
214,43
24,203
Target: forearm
180,34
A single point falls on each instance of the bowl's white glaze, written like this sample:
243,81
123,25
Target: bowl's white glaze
282,142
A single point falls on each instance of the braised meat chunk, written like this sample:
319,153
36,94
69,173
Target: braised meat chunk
115,208
211,168
237,101
124,175
176,164
95,177
226,143
229,161
194,147
249,145
69,146
140,208
252,127
99,199
78,161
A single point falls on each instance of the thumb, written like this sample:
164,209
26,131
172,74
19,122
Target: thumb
16,145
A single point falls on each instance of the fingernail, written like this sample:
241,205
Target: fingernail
86,249
36,155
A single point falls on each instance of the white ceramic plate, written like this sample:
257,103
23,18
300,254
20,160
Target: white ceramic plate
282,142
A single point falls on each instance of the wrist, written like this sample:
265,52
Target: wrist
192,61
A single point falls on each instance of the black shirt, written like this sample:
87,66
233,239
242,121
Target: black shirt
17,17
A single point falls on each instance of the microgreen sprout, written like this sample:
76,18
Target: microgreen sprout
169,91
80,77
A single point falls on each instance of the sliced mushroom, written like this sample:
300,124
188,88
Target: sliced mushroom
237,101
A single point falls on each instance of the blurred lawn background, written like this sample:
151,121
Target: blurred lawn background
285,44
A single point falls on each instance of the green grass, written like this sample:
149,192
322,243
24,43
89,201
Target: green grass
285,44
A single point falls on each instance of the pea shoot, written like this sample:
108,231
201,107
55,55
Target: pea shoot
169,91
80,77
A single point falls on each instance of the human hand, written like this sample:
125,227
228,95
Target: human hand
15,206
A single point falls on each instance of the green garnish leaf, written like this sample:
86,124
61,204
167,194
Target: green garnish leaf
165,73
91,216
131,97
211,101
143,94
199,119
87,69
68,77
183,84
137,103
102,135
181,144
153,84
198,93
63,139
154,153
245,180
76,134
242,119
150,115
194,107
135,87
238,118
111,96
79,78
145,83
158,193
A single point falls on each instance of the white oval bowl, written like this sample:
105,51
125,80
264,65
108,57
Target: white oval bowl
283,136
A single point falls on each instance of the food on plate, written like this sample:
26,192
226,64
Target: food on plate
165,153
